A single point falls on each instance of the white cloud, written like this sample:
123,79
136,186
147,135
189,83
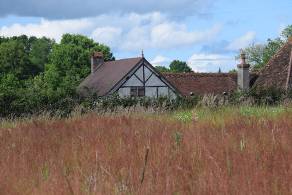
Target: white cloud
201,62
160,61
136,38
129,32
242,42
165,34
51,29
107,35
170,34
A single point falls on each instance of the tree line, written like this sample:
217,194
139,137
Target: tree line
37,73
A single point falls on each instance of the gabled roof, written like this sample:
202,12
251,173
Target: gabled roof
277,73
205,83
107,76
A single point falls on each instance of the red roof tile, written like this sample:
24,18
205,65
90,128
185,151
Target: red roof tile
202,83
277,73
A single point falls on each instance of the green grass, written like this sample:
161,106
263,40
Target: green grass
218,114
213,115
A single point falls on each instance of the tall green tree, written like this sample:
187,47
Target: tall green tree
177,66
162,69
14,59
259,54
72,55
40,50
69,63
38,74
24,56
9,93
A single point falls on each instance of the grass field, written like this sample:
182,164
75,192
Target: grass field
245,150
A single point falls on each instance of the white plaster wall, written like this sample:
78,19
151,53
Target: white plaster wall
172,95
147,73
139,73
150,91
163,91
133,81
124,92
155,81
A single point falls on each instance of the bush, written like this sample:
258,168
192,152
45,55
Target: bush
267,96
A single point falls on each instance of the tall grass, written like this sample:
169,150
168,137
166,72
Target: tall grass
225,151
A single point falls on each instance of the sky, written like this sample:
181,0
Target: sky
207,34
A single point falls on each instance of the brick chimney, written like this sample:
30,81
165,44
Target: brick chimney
96,61
243,73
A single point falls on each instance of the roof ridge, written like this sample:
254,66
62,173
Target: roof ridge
201,74
125,59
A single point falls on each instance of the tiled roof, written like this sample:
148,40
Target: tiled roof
106,76
202,83
277,73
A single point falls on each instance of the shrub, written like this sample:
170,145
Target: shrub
267,96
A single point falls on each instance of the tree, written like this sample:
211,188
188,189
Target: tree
72,55
177,66
162,69
38,74
68,64
39,52
24,56
259,54
14,59
9,93
287,32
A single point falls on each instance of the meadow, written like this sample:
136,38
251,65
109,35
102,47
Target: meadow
228,150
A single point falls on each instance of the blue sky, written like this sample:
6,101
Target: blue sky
205,33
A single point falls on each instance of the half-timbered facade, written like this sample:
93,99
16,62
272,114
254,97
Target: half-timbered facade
134,77
145,81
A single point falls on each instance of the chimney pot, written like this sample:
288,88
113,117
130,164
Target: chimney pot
243,73
243,58
96,61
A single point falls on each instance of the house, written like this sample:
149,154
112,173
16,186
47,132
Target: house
136,77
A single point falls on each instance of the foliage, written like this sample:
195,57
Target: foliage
14,59
258,55
162,69
39,75
179,66
23,56
287,32
267,96
9,93
175,66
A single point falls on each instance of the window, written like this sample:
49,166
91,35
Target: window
137,92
